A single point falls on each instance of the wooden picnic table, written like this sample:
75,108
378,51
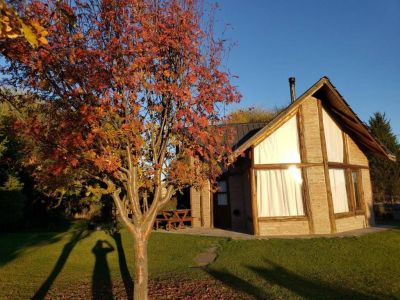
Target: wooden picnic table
173,218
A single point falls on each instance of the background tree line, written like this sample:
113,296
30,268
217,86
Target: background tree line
24,204
385,174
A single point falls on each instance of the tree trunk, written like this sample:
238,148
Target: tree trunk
141,268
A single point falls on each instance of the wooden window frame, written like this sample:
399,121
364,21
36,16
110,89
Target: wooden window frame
357,193
347,192
282,218
348,171
353,210
279,166
225,179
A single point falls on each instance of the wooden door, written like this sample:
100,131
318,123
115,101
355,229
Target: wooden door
222,210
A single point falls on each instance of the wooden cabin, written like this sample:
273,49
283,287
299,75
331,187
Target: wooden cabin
305,172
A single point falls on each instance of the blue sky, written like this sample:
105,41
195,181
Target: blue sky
355,43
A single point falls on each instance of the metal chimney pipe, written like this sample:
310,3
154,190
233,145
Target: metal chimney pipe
292,89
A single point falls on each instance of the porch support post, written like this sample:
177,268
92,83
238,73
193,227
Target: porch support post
201,207
211,208
253,191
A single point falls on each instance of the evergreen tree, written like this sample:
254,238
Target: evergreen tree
385,174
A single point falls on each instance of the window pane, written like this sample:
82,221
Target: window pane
357,196
339,192
279,193
333,138
222,199
282,146
222,187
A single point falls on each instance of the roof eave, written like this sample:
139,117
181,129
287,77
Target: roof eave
379,147
252,141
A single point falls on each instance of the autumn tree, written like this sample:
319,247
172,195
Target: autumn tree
12,26
128,90
385,175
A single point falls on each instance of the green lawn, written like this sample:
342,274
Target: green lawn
363,267
29,261
366,267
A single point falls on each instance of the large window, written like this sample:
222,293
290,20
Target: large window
344,179
339,193
333,138
355,181
282,146
279,190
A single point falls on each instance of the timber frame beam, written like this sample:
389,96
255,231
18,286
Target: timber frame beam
304,159
326,168
285,166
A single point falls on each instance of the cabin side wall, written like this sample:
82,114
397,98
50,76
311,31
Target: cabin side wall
195,207
207,206
283,227
356,155
367,191
350,223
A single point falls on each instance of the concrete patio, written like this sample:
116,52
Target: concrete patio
216,232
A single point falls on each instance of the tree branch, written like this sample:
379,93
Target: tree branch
132,190
122,211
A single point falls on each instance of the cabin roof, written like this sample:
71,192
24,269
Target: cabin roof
248,135
244,131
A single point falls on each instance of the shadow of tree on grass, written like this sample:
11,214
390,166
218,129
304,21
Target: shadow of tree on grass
13,244
62,259
125,274
238,284
276,275
304,287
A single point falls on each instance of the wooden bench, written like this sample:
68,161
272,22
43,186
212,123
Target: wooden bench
158,222
173,219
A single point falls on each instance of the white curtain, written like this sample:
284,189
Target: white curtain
282,146
333,138
339,192
279,192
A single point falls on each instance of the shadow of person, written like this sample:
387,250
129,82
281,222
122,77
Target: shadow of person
101,279
62,259
125,274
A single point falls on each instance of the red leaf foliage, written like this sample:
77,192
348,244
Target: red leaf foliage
123,83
